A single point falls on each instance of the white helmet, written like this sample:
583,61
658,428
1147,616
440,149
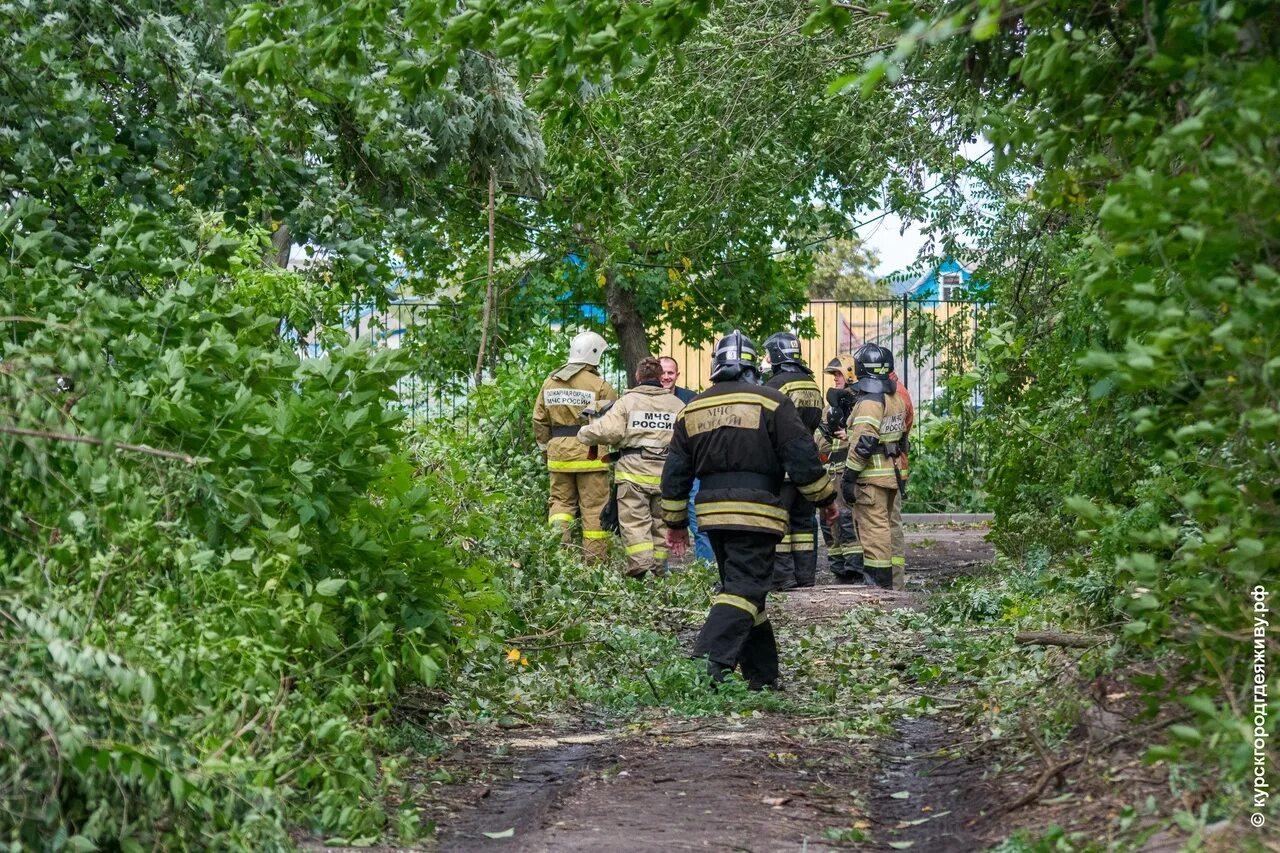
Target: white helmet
586,348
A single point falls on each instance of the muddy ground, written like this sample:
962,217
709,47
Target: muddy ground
751,784
729,784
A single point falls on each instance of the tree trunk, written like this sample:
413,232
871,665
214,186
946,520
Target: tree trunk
488,289
633,342
281,244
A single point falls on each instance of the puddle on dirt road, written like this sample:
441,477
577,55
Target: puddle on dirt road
520,805
922,796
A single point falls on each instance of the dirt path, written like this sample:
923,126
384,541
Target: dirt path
733,783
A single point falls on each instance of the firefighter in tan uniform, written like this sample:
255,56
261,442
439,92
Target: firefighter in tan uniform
872,481
639,427
843,549
579,483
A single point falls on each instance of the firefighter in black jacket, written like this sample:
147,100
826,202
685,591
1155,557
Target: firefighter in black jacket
740,439
797,561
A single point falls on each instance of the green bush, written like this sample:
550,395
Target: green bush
218,565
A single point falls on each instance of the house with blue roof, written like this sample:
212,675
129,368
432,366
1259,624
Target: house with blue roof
950,281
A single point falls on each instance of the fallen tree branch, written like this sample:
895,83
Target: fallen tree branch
1037,790
1056,638
97,442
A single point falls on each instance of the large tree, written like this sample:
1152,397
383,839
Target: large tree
693,195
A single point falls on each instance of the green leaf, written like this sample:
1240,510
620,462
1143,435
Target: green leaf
901,795
986,26
330,586
506,833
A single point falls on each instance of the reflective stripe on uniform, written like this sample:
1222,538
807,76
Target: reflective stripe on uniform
735,601
659,553
819,490
638,548
855,548
673,505
577,466
877,472
560,517
595,534
866,419
638,479
750,507
711,521
899,561
725,399
877,564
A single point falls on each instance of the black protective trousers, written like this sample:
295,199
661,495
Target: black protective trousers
737,632
796,562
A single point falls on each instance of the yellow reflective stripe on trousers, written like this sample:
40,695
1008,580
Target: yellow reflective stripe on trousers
877,564
638,479
560,517
735,601
579,466
853,549
638,548
877,472
660,553
803,542
595,534
899,561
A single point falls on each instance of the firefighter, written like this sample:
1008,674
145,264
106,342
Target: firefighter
579,483
872,481
740,439
899,538
639,426
843,549
796,564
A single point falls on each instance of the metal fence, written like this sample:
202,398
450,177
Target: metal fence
932,340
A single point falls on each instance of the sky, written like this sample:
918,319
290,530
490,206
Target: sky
896,250
897,247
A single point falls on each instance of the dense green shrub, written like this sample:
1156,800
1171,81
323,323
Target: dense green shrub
203,612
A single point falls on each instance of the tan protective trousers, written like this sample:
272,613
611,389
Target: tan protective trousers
586,494
644,536
877,514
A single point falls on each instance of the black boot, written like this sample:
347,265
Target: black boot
882,578
759,658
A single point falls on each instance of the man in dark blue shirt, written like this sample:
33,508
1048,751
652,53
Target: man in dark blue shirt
670,373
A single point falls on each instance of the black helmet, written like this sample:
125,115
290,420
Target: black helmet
872,365
734,358
783,348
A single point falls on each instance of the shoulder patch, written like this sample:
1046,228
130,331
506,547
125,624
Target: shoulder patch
576,398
